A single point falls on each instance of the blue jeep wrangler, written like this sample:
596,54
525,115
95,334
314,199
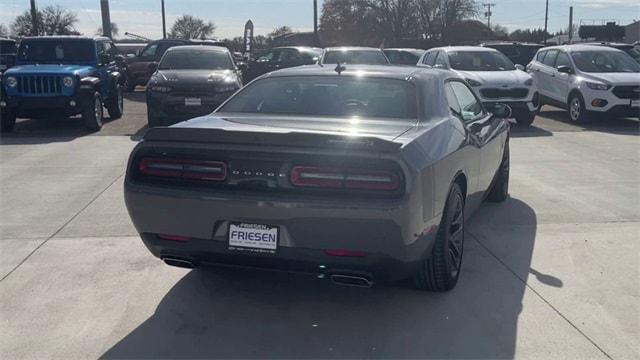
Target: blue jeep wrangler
63,75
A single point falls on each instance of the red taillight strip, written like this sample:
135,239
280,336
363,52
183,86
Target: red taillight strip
338,178
186,169
345,253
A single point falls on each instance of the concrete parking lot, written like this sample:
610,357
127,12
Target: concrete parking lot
552,273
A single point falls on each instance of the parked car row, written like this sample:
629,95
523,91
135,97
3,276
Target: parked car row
187,82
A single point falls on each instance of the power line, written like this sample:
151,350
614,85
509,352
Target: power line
487,13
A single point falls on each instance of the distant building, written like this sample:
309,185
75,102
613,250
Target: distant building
632,32
295,39
564,39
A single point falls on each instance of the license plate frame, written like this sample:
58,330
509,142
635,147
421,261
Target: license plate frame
192,101
253,237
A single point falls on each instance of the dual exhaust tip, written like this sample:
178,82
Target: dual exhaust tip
338,279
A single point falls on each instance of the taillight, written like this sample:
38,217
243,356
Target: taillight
344,178
184,169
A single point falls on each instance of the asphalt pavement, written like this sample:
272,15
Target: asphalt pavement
552,273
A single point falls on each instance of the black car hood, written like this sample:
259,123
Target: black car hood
387,129
194,76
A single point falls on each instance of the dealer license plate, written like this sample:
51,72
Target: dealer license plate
192,101
253,237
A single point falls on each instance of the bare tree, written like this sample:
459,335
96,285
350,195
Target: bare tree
279,31
191,27
370,22
115,30
52,20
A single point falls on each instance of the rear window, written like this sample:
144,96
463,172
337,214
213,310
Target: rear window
195,60
366,57
337,96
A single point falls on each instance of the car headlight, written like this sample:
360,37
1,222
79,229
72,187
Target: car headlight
473,82
160,89
528,82
597,86
67,81
11,81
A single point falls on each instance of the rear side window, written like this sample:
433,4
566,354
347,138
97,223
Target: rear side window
440,61
470,109
150,51
430,58
563,60
336,96
550,58
540,56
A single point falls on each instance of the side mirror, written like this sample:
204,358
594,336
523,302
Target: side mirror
153,66
119,58
519,67
565,69
500,110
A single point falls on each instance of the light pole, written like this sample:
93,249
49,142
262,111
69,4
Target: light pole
164,23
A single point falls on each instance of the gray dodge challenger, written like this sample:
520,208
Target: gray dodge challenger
351,173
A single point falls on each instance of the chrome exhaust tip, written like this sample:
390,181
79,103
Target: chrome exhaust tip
351,280
178,262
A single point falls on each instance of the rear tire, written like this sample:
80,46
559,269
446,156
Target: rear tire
129,84
441,270
93,112
115,105
525,118
500,189
7,121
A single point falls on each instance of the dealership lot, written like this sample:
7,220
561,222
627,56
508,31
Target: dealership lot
551,273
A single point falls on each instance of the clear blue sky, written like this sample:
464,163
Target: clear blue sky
143,16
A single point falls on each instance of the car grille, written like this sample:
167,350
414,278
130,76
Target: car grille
40,84
492,93
627,92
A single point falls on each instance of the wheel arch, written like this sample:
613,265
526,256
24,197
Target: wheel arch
574,92
461,179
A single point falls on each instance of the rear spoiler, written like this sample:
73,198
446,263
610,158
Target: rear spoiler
288,139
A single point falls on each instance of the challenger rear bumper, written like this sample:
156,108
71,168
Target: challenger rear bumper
393,235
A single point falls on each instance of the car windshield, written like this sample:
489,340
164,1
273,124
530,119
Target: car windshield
365,57
604,61
57,51
195,60
343,96
480,61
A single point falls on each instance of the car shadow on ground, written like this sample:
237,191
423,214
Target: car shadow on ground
518,131
55,129
605,124
138,95
216,313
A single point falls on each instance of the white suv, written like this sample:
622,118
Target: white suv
492,76
587,79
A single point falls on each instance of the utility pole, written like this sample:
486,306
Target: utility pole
570,23
164,23
487,13
106,18
34,19
315,22
546,20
